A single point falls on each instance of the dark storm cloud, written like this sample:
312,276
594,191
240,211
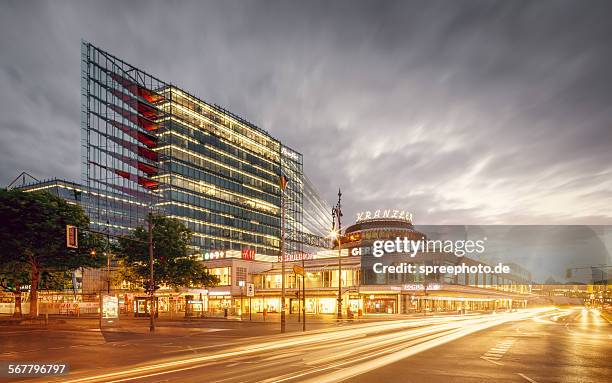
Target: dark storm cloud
463,112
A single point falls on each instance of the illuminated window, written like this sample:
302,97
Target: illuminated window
224,274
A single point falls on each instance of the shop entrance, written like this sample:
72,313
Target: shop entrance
142,306
380,306
295,305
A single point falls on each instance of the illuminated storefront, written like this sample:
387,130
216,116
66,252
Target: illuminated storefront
370,293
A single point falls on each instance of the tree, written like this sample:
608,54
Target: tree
33,239
14,276
172,264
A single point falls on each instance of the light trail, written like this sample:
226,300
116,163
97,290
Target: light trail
364,347
403,351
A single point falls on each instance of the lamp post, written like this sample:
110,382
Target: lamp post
152,283
283,185
337,215
298,294
108,255
303,313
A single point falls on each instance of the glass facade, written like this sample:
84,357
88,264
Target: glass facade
162,149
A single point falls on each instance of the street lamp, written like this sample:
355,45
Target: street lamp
152,282
108,257
337,215
283,186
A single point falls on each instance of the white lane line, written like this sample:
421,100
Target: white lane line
609,321
527,378
492,361
498,352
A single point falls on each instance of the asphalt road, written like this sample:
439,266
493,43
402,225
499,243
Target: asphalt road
527,346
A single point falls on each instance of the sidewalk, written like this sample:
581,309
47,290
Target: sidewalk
128,322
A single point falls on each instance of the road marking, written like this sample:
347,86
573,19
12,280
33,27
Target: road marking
609,321
527,378
491,360
496,353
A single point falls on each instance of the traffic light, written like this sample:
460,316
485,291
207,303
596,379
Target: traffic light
72,237
148,288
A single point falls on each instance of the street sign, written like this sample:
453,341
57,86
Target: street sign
72,237
298,270
250,290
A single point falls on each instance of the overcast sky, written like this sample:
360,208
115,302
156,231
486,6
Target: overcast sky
461,112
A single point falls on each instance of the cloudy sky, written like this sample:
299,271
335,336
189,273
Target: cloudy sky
462,112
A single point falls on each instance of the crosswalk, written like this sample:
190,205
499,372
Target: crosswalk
496,353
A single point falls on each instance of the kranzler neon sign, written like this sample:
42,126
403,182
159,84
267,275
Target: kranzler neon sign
403,215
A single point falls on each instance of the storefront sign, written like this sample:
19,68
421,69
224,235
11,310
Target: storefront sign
248,254
289,153
403,215
217,254
366,250
296,257
420,286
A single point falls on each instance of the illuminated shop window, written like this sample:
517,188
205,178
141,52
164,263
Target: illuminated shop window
223,273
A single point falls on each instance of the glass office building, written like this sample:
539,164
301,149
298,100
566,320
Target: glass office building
162,149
